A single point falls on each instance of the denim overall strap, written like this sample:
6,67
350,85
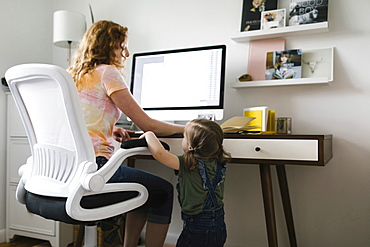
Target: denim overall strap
211,187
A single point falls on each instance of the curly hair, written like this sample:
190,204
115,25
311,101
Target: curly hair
205,138
98,46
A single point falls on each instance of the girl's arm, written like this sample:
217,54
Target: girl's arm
158,151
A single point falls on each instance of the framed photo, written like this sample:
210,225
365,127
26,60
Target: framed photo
284,64
305,12
251,14
318,63
272,19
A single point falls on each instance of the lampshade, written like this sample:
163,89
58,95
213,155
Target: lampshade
69,26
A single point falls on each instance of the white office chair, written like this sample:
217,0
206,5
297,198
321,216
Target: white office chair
60,180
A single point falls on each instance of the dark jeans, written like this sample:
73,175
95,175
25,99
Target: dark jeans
160,201
206,229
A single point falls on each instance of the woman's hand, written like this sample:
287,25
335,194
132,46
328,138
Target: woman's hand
121,134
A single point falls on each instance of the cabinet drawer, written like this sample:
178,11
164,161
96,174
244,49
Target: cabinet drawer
17,154
302,150
20,219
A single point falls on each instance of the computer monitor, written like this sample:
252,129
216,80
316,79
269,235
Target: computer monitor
182,84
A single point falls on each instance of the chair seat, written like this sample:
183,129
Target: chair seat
54,208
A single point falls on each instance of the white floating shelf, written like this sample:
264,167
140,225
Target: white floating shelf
306,29
284,82
323,71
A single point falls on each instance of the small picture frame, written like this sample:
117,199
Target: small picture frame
272,19
312,12
251,13
283,64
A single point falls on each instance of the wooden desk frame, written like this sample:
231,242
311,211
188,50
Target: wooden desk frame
324,149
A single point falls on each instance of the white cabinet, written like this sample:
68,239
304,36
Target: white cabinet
18,220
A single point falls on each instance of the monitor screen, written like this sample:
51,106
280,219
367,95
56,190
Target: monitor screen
182,84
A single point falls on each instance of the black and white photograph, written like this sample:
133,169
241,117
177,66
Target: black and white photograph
306,12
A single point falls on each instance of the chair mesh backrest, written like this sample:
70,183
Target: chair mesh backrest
44,104
47,100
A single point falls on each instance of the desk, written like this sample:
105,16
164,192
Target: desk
266,151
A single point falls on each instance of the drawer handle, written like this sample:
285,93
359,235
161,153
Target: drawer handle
257,149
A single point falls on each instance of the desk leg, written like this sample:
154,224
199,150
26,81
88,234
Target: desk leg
284,191
268,201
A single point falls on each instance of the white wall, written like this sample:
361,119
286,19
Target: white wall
26,36
331,204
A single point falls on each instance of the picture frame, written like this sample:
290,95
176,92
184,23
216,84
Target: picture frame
307,12
285,64
318,63
251,13
273,19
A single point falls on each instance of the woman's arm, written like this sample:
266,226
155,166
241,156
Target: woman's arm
159,153
128,105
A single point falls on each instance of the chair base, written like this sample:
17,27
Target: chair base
105,233
91,236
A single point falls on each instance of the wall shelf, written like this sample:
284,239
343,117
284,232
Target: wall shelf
281,32
323,59
284,82
323,72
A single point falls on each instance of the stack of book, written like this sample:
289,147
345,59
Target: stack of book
257,119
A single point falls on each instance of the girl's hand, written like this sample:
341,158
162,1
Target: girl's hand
145,134
158,151
121,135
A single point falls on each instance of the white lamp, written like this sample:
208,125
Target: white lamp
69,27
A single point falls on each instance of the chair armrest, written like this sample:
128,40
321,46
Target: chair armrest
128,148
141,143
96,181
76,211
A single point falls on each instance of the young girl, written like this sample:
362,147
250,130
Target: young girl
283,69
201,170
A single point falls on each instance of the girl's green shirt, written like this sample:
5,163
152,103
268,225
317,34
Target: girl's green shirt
192,194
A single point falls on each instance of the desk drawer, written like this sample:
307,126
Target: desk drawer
301,150
263,149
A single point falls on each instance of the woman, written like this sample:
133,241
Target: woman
103,94
251,19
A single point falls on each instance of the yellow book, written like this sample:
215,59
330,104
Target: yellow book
271,126
236,124
260,113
